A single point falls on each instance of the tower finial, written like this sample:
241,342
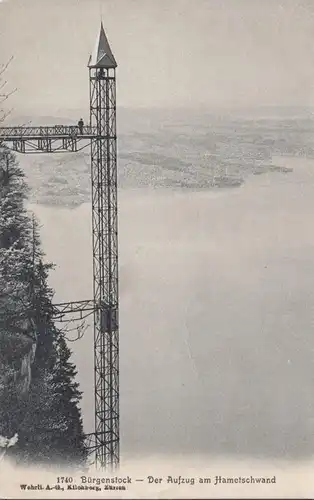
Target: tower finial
102,56
101,11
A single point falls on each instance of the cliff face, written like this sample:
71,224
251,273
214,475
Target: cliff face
17,355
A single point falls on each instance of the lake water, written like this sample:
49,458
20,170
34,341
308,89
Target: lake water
217,314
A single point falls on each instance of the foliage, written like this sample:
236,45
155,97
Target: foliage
39,397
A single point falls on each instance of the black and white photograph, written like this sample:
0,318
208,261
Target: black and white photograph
156,249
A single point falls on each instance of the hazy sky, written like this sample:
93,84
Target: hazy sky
169,52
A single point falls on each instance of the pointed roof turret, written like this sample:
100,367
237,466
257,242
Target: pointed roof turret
102,57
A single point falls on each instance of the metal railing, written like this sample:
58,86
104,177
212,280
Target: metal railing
57,131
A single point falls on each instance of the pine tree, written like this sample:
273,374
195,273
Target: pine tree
39,397
70,444
17,336
42,418
52,430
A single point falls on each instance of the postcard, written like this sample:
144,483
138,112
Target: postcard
156,249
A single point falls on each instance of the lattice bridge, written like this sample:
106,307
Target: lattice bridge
51,139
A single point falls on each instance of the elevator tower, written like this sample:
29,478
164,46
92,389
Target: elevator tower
102,78
101,134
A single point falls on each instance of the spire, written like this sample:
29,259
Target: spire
102,57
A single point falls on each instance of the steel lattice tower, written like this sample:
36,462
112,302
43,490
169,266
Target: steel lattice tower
105,251
101,132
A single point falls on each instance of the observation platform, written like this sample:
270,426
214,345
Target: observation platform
47,139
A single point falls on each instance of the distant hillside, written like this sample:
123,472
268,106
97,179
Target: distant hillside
28,121
174,149
137,118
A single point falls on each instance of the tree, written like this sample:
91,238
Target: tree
17,333
39,397
52,430
70,444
